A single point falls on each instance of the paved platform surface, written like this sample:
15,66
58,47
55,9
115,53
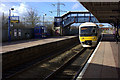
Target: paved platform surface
105,62
11,46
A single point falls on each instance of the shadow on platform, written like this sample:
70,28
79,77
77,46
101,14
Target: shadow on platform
99,72
103,72
108,38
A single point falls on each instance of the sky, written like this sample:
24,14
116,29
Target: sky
21,8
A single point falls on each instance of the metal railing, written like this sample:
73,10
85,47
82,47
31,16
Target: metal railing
74,17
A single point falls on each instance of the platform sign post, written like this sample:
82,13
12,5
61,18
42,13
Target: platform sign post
9,30
12,19
9,35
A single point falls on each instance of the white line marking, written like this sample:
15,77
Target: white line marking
86,65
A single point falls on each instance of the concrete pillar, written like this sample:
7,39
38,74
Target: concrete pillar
57,31
66,30
61,31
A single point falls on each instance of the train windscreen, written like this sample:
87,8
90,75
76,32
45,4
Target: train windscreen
88,31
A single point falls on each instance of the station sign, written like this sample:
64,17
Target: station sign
14,19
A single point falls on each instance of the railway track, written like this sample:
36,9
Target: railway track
61,66
26,66
71,69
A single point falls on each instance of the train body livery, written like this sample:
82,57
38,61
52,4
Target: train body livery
89,33
40,32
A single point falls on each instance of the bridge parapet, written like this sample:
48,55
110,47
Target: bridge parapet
74,17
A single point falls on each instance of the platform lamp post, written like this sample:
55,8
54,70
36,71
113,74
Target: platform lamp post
9,29
43,18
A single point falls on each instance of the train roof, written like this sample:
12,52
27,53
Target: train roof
88,24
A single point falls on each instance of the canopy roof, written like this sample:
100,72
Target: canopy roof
105,12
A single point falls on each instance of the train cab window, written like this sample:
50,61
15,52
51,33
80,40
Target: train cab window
88,31
94,31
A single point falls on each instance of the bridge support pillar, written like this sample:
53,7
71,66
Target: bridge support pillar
61,31
66,31
57,31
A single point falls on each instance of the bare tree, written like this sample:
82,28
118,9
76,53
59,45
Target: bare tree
32,17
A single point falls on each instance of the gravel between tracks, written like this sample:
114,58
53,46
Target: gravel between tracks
40,71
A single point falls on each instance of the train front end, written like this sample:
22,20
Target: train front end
88,35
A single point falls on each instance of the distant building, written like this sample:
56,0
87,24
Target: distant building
106,28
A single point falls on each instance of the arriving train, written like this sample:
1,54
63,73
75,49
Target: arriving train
89,33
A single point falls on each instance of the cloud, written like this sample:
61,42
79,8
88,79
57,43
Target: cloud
38,0
3,8
76,6
19,9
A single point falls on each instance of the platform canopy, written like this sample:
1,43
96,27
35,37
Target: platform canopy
105,11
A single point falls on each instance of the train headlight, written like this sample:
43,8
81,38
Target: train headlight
93,37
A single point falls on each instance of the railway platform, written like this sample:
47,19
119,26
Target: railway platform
104,63
23,52
16,45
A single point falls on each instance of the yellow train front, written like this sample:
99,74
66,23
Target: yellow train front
89,33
